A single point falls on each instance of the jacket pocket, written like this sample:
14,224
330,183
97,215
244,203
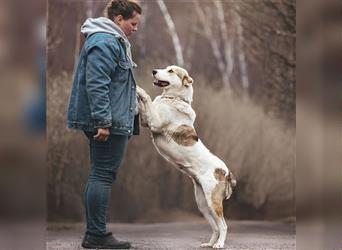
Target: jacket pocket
122,72
125,65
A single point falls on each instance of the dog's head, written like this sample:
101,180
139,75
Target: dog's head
172,76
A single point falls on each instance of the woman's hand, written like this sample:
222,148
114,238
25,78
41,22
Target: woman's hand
102,134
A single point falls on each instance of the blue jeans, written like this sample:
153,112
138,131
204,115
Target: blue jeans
105,159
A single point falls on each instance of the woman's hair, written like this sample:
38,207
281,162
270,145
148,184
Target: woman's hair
121,7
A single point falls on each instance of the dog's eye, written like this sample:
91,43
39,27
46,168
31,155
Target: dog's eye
170,71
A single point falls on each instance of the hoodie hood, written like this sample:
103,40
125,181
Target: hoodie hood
103,24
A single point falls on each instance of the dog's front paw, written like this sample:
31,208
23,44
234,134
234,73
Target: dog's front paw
206,245
218,245
143,96
140,90
144,99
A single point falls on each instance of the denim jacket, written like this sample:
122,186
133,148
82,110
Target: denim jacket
104,89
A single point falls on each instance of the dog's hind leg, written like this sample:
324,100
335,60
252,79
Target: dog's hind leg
221,222
214,197
205,210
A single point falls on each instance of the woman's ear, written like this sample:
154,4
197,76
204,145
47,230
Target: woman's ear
118,19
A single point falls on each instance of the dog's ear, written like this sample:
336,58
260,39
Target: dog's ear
187,81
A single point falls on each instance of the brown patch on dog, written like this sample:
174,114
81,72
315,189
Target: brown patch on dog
217,197
187,80
183,74
220,174
185,135
219,191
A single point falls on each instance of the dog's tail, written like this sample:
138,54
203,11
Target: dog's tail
230,183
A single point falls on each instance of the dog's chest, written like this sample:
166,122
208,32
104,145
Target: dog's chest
177,110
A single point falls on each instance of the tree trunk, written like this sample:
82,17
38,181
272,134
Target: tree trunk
214,44
227,43
241,56
173,33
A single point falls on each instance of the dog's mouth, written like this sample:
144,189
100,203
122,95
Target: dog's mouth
160,83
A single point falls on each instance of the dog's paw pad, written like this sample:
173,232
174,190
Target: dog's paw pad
206,245
218,246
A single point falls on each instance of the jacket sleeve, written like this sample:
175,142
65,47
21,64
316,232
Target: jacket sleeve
99,67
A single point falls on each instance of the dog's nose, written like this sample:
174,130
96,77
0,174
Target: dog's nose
154,72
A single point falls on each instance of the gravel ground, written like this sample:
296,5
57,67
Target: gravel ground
183,235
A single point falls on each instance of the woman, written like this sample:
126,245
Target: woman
103,104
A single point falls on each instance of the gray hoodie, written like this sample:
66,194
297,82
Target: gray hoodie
103,24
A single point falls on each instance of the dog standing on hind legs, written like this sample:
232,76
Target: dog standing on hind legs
170,118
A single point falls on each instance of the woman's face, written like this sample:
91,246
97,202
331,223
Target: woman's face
130,25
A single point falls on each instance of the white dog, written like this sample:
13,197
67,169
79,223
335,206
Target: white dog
171,121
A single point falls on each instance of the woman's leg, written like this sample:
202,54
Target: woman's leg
106,158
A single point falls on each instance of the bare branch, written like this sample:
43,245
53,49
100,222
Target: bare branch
173,33
240,38
227,43
213,43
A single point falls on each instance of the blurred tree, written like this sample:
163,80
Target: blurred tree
171,27
239,47
225,59
271,30
79,14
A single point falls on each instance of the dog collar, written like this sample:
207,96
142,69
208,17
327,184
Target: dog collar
176,98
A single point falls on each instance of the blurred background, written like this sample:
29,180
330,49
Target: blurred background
22,126
241,55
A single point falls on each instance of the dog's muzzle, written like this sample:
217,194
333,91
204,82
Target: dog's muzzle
161,83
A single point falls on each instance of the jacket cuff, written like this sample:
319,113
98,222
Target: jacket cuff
136,127
103,124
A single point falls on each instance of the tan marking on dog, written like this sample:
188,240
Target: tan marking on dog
179,72
220,174
185,135
219,191
217,197
183,75
186,81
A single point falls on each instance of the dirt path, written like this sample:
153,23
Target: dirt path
184,235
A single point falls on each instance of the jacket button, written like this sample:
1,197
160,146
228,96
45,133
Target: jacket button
129,131
132,87
130,109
